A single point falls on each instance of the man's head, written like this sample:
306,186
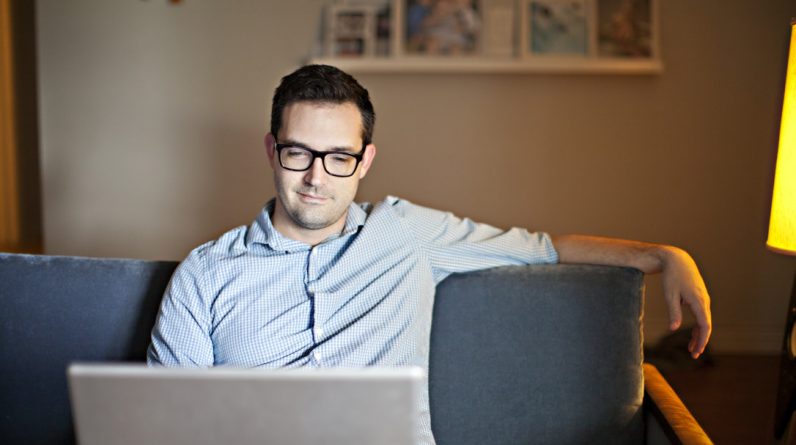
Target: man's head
319,148
322,84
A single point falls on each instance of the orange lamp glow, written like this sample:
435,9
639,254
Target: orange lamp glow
782,225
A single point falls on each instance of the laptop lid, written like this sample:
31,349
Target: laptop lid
135,404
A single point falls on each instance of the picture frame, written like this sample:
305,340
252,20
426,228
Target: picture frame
350,31
499,28
627,29
557,28
439,28
383,12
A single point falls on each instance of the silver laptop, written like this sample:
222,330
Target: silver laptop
134,405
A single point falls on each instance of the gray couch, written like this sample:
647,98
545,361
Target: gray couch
531,354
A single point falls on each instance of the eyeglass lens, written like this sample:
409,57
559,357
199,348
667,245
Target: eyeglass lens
337,164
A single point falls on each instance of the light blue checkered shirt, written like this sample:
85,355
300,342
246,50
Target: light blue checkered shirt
363,298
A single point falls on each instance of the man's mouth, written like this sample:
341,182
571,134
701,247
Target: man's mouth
312,198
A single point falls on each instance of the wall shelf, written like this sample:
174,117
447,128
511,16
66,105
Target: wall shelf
408,64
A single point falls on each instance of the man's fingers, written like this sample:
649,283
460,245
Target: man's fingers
675,312
699,339
692,345
696,347
702,341
701,332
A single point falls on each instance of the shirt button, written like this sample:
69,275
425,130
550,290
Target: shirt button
316,355
318,331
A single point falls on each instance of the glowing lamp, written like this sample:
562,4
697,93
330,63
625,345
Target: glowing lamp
782,225
782,239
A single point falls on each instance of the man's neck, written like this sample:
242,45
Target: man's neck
289,229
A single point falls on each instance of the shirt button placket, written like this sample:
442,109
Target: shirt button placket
311,264
317,325
317,330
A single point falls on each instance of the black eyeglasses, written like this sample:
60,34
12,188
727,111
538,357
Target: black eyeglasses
336,163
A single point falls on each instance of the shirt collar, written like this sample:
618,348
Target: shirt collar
354,220
263,232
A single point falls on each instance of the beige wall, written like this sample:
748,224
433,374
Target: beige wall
152,118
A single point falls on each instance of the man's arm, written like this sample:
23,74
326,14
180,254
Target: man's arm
181,335
682,283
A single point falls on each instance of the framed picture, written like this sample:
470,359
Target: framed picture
384,31
441,27
351,31
383,10
627,29
499,27
561,28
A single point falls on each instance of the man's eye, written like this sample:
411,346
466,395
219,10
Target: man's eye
342,159
297,153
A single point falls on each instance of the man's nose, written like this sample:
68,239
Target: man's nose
315,173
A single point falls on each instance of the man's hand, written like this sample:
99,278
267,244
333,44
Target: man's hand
682,283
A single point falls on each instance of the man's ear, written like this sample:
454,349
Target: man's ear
270,147
367,160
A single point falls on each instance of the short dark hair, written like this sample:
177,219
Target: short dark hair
322,84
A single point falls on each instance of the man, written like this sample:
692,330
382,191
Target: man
319,281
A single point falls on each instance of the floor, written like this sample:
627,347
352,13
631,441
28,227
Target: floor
733,399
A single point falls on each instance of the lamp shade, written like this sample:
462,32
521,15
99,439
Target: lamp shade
782,225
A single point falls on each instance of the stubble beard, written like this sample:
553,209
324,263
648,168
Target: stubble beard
308,216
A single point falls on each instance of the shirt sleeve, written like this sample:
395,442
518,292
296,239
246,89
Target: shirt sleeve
455,245
181,336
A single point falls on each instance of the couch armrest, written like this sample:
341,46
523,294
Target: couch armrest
672,417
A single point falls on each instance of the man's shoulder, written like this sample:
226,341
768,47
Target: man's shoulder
389,202
230,243
400,214
405,209
391,207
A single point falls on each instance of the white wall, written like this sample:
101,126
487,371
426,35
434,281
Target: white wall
152,118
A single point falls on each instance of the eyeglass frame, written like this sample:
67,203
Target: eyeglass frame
319,154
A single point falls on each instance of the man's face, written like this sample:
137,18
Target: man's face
314,199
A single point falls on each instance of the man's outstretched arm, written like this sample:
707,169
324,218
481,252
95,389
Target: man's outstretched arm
682,283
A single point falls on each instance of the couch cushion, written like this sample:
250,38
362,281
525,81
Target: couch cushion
55,310
540,354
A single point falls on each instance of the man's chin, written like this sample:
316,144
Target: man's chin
310,221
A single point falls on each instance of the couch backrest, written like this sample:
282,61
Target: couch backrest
538,355
530,354
55,310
